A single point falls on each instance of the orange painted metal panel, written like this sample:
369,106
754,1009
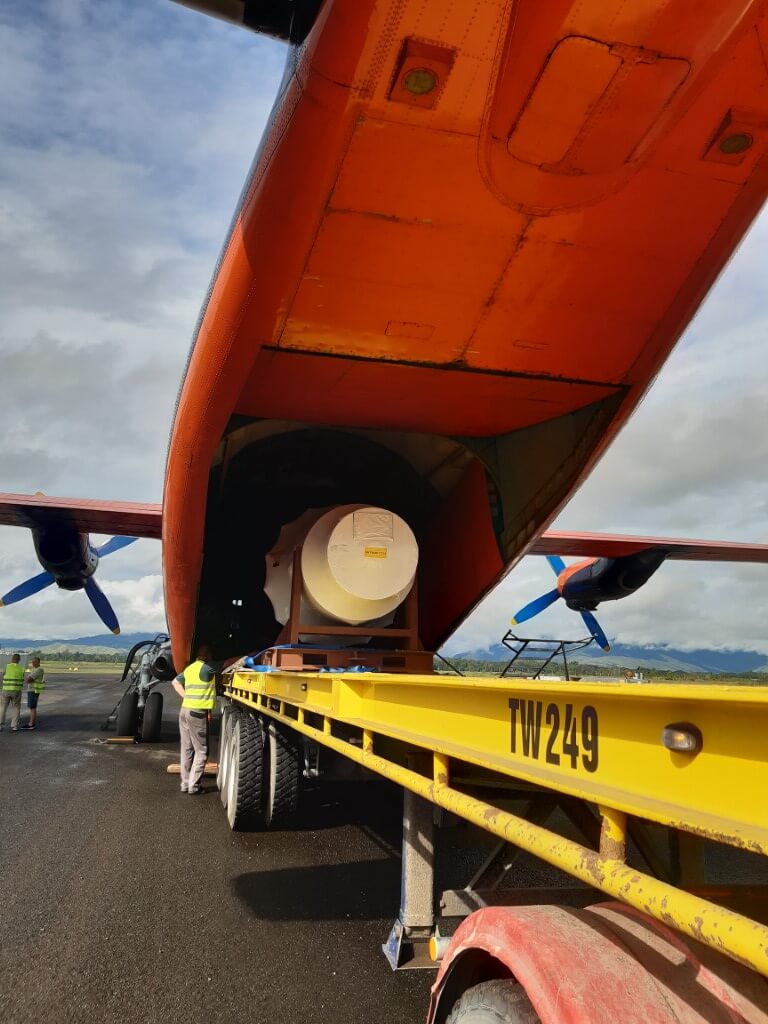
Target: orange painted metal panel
461,555
365,393
572,82
422,175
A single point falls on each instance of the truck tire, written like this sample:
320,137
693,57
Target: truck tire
127,714
226,714
245,772
153,718
284,765
494,1002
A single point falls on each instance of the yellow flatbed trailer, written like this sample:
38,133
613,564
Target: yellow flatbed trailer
650,775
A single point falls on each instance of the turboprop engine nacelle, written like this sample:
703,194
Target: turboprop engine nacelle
67,555
358,564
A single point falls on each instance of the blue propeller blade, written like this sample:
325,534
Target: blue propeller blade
114,544
594,628
557,563
101,605
28,588
535,607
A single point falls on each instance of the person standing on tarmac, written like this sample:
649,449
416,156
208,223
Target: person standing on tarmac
36,684
13,684
196,686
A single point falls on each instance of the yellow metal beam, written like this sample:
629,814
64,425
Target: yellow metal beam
599,742
613,834
731,933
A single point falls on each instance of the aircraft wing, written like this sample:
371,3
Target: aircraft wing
607,545
124,518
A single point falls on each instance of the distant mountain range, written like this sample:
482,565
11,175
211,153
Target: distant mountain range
104,643
622,655
661,658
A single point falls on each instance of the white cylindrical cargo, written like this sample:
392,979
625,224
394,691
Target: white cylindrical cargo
358,563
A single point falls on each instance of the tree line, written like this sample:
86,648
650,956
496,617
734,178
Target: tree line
526,668
117,657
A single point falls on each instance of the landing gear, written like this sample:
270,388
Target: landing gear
152,719
139,711
127,714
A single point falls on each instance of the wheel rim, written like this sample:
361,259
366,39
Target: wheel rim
224,757
233,774
269,749
220,774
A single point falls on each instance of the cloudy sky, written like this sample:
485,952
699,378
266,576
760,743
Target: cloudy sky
127,129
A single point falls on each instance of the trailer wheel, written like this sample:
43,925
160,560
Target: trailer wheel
285,758
153,717
245,772
494,1002
226,715
127,714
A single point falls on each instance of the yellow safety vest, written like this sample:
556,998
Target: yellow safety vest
38,685
199,695
13,678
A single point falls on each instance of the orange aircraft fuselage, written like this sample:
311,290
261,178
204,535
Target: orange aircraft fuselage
471,235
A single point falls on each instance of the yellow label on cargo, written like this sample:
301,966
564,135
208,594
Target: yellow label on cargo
375,552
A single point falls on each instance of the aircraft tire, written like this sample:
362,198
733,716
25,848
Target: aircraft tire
127,714
245,772
284,767
494,1002
152,719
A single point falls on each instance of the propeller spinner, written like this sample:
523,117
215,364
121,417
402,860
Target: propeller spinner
540,603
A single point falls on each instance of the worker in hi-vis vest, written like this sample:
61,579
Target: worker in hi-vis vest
36,685
196,686
13,684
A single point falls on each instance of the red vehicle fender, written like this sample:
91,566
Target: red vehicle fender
602,964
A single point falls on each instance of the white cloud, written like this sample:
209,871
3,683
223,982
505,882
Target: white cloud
127,130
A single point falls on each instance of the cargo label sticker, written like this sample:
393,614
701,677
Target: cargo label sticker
375,552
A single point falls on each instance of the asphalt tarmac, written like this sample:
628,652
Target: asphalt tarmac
123,900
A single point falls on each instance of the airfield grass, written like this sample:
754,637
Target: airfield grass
760,679
88,668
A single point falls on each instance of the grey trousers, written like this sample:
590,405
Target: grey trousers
14,699
194,748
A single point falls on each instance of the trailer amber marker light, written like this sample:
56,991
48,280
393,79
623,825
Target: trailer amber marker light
685,739
438,947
